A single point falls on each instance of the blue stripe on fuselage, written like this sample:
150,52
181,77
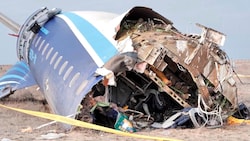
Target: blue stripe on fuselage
102,46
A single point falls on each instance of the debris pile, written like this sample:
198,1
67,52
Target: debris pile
167,80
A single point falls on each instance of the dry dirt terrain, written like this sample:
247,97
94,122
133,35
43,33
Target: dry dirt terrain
15,126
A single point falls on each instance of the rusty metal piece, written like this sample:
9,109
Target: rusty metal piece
161,75
194,60
165,88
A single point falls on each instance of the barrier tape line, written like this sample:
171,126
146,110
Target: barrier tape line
234,121
75,122
243,75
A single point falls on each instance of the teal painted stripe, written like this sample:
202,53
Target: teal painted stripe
44,30
12,76
102,46
17,70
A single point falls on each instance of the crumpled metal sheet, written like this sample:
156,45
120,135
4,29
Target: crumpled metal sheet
199,56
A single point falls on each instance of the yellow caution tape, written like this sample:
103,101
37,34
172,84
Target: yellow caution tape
75,122
243,75
232,121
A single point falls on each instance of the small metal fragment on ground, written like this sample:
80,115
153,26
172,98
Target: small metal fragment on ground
51,136
28,129
5,139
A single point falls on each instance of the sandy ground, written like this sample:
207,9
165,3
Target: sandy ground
15,126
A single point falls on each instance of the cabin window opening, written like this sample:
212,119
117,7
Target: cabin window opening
38,40
57,62
40,47
73,80
50,51
67,73
53,58
63,67
45,48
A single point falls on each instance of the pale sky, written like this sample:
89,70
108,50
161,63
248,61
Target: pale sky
229,17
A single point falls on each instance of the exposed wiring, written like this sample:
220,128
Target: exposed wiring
180,67
214,113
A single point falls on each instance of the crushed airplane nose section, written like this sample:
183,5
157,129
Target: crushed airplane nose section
173,72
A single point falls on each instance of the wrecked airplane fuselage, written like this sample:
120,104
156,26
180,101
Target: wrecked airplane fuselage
147,71
171,71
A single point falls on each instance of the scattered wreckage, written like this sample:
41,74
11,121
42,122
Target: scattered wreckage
164,79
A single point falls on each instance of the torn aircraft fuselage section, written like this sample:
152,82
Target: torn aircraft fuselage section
171,71
157,75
